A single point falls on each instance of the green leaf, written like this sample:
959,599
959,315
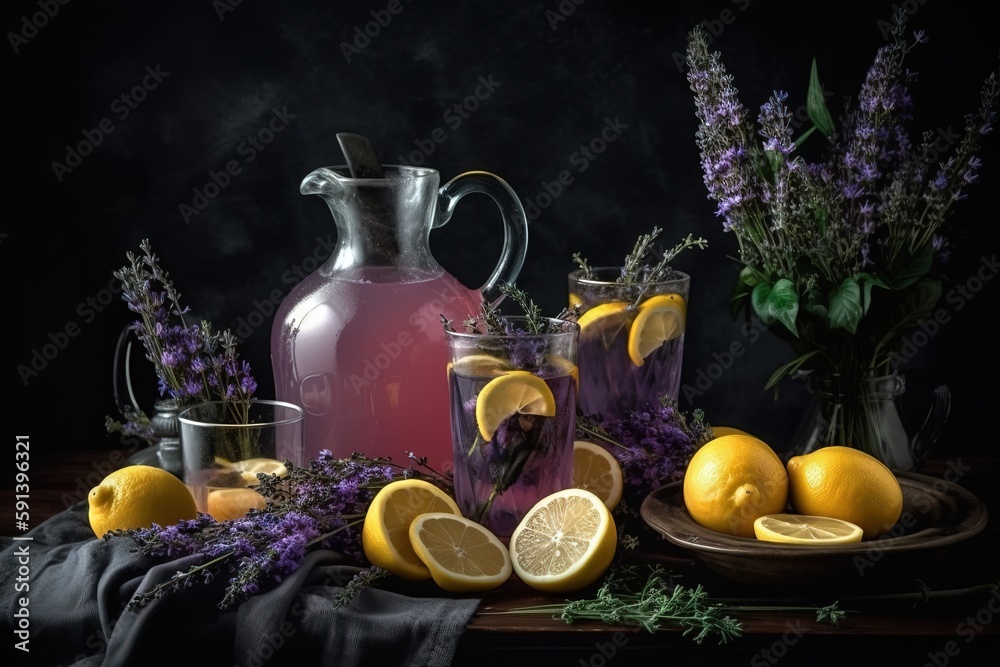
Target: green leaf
816,104
776,303
816,304
805,135
758,299
783,302
845,306
788,369
915,268
752,277
775,159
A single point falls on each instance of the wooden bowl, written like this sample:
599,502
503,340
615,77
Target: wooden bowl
935,514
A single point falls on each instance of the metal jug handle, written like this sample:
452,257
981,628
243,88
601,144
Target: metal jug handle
931,429
121,380
515,223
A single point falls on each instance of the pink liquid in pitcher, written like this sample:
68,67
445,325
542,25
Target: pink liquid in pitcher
364,355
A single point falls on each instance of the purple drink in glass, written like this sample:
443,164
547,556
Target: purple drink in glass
611,382
528,453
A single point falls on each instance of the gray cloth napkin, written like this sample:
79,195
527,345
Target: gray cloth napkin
78,586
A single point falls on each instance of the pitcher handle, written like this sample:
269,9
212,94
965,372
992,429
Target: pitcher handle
515,223
928,434
121,380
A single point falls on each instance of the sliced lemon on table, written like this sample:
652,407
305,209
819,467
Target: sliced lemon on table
806,529
480,365
462,555
565,542
517,392
660,319
596,469
385,536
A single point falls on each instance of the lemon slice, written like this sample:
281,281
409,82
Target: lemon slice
480,365
248,468
385,536
660,319
226,504
518,392
566,366
574,299
597,470
565,542
606,321
805,529
462,555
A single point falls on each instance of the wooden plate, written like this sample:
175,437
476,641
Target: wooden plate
935,514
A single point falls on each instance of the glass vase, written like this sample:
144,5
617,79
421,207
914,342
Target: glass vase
863,412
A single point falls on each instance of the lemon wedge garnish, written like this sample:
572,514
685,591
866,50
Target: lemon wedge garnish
517,392
660,319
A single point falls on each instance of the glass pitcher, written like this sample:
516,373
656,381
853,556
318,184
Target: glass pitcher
359,343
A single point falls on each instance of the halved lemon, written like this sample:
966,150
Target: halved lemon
565,542
462,555
517,392
480,365
660,319
226,504
805,529
596,469
385,536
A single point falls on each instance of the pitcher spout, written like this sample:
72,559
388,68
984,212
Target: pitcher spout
322,181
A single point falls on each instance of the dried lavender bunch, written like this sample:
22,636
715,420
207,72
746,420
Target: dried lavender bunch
193,363
321,506
843,256
653,446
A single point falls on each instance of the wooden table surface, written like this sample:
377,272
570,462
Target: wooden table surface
964,629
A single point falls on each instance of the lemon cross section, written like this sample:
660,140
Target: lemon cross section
462,555
605,321
660,319
518,392
806,529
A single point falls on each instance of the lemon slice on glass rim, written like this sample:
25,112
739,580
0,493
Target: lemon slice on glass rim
517,392
660,319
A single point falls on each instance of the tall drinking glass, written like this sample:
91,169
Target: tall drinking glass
513,419
631,340
224,450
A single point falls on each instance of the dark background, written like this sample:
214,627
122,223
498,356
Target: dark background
558,83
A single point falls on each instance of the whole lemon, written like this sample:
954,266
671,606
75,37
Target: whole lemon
846,483
732,480
137,496
719,431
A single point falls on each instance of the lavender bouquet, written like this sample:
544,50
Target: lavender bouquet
193,363
842,257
